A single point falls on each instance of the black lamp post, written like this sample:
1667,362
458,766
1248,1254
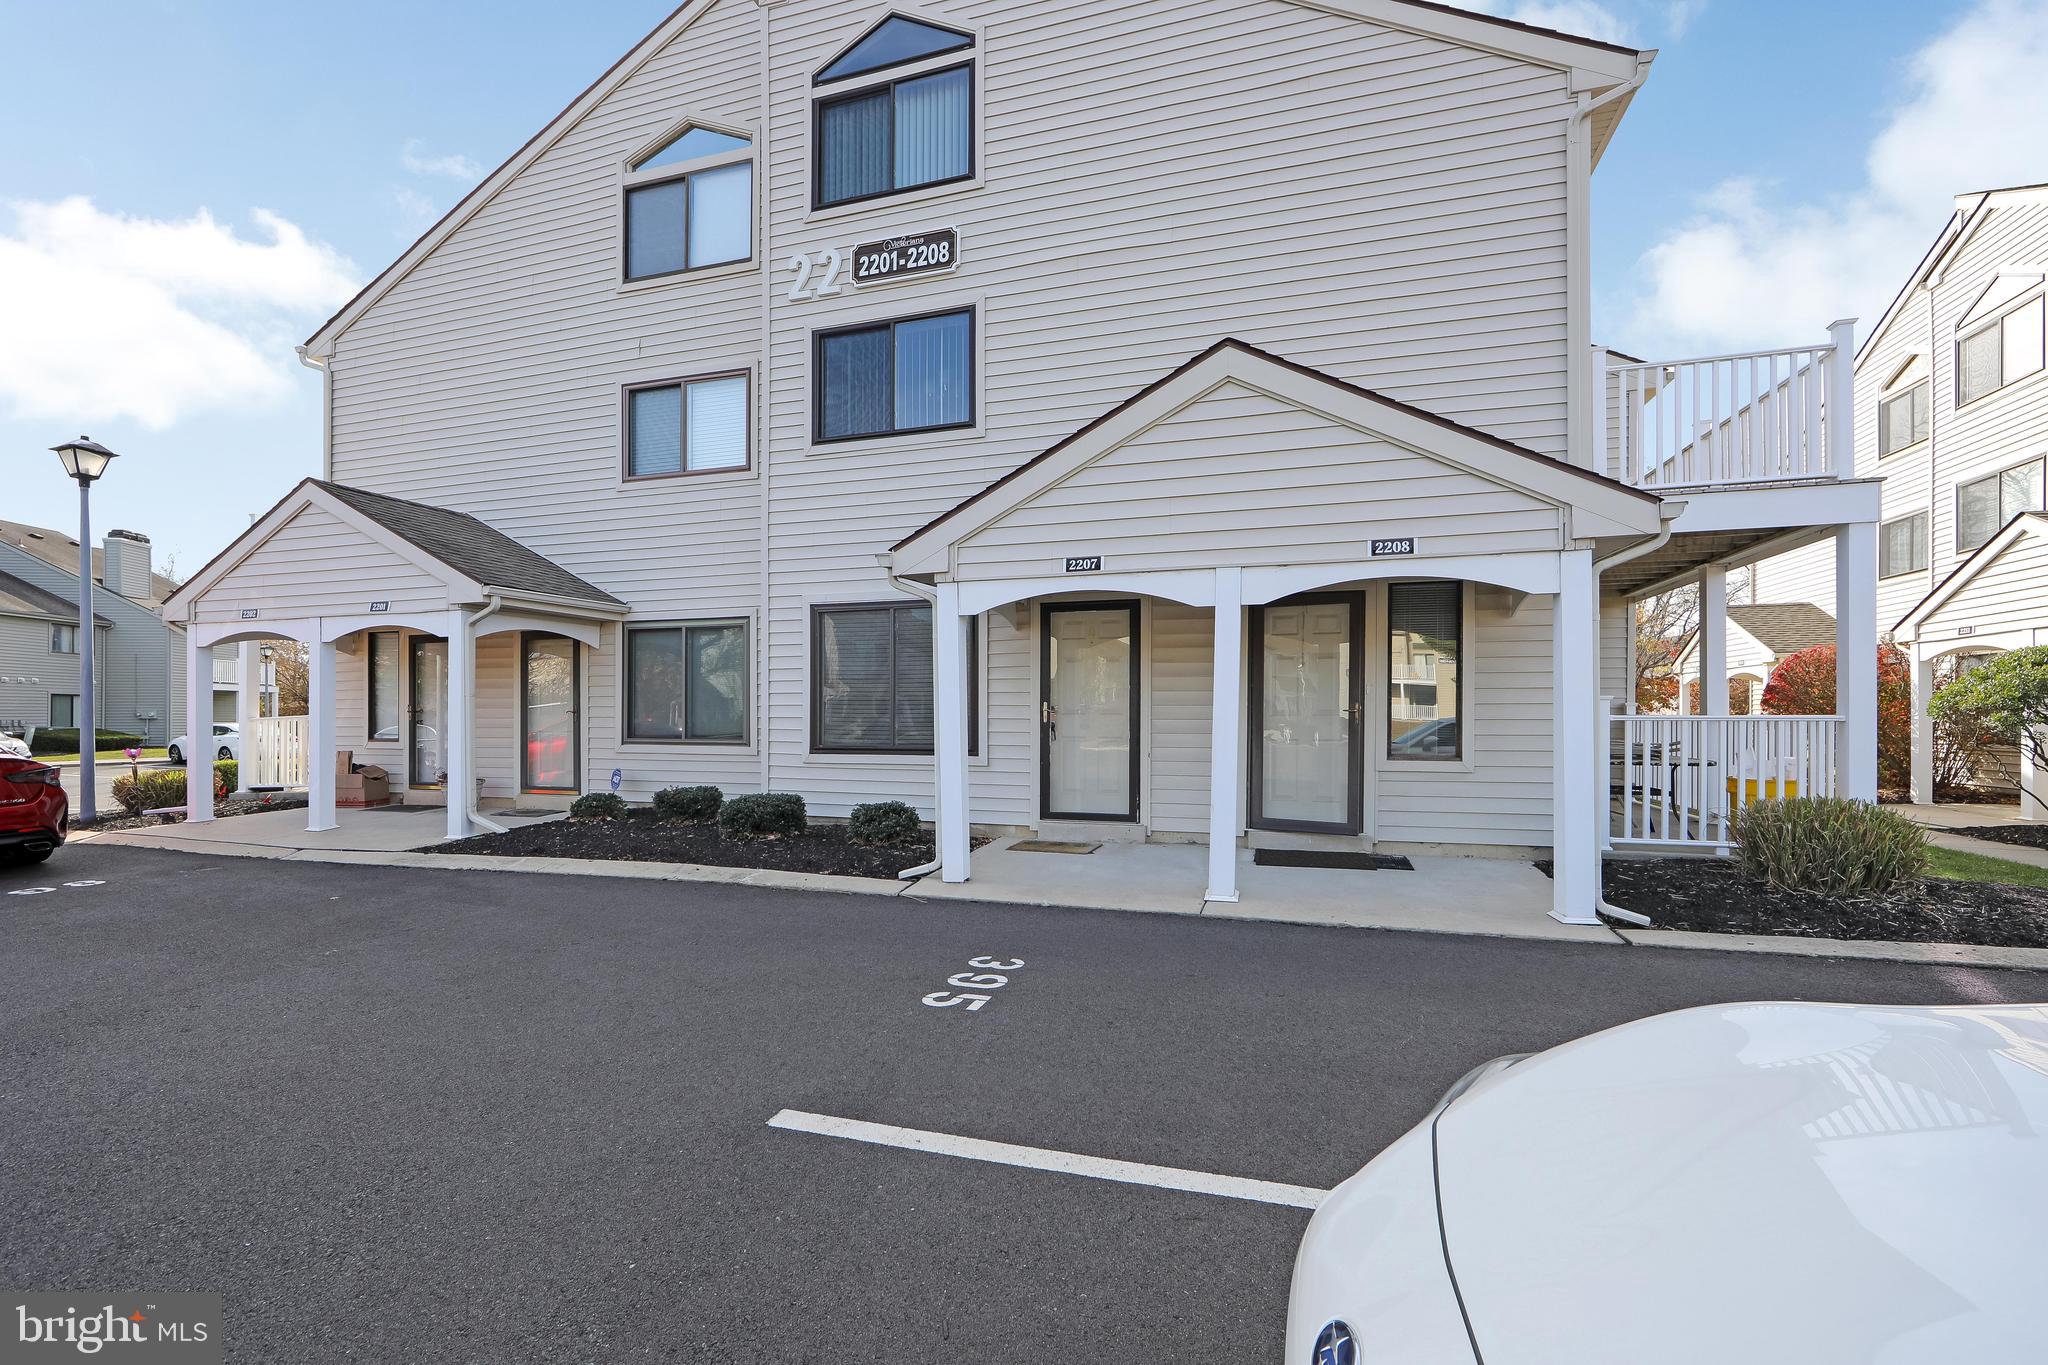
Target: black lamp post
85,461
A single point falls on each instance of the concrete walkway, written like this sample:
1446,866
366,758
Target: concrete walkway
1939,820
278,833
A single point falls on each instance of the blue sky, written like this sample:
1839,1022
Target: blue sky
186,189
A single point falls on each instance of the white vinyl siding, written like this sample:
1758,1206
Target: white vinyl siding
297,571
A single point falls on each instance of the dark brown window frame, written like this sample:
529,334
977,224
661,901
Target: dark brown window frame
575,709
751,159
974,647
626,392
397,639
682,627
1387,754
970,42
820,336
821,101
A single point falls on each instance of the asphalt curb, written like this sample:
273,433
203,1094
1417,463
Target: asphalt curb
1784,945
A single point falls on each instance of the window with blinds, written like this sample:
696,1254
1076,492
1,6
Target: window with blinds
1902,546
1425,634
913,374
687,682
690,204
2001,352
689,426
1984,505
1902,419
871,679
894,134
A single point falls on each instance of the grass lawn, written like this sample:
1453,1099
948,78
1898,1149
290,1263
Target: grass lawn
103,756
1975,867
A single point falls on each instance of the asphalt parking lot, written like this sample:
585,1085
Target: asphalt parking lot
394,1114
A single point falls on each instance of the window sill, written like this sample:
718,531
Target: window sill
889,203
1418,766
733,748
702,273
842,758
909,440
1903,450
689,479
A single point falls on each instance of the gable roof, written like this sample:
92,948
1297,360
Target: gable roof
1785,627
1629,510
456,545
19,597
1956,229
1606,65
2023,524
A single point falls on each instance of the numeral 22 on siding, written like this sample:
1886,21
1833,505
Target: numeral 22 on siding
829,275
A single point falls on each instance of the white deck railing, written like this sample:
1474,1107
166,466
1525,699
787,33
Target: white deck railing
1726,420
1678,780
275,752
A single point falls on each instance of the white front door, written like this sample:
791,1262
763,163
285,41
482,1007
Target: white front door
1089,711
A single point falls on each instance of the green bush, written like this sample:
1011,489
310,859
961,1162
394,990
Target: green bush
883,822
598,806
1829,846
156,788
65,741
762,815
227,775
688,805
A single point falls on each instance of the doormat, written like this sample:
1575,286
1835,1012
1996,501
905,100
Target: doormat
1356,862
1051,846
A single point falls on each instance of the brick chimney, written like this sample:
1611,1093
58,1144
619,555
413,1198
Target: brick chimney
124,564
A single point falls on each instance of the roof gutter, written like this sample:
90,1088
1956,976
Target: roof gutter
471,797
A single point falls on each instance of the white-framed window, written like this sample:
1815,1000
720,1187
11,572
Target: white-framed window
2001,351
687,682
1902,418
876,132
1425,677
63,638
385,661
901,375
1983,505
871,678
700,425
689,204
1902,545
63,710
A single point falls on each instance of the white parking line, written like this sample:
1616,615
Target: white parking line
1043,1159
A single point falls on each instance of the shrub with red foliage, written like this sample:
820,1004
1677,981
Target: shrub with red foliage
1804,685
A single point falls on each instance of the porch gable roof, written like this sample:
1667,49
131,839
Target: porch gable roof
1960,577
1600,505
472,558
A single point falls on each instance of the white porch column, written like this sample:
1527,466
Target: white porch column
1226,706
1576,782
2033,782
1714,640
1856,658
248,695
1923,726
949,738
319,730
198,727
461,785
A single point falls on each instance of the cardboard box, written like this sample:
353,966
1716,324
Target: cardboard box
368,785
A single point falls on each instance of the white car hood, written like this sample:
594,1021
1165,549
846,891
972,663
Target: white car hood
1759,1183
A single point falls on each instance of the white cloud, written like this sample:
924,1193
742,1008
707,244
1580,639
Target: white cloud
148,319
1758,266
414,157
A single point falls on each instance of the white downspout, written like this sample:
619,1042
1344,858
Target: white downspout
922,590
1667,516
470,797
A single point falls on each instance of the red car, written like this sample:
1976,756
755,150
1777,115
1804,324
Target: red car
34,811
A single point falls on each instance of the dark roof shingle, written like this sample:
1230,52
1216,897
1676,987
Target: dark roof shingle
1785,627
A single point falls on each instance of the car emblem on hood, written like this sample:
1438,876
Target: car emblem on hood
1335,1346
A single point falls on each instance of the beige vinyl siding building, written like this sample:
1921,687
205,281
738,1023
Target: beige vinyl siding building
1198,322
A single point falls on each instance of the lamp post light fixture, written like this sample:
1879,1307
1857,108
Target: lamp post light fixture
85,461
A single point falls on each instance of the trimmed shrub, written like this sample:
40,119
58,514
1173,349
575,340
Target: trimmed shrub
688,805
161,787
227,775
65,741
598,806
1829,846
882,822
762,815
1803,684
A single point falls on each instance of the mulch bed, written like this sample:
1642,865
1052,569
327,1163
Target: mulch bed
221,811
2026,836
1715,897
641,838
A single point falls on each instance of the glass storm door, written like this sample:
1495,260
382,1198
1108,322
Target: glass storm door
547,690
429,720
1307,762
1089,712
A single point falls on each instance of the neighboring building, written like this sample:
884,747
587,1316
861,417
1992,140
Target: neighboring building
1952,399
138,660
1760,637
1116,420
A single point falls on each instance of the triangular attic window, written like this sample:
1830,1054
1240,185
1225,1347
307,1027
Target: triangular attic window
893,42
690,145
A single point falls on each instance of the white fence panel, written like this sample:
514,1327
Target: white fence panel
1678,780
1723,420
275,751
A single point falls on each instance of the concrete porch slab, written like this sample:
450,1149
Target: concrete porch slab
1442,895
387,829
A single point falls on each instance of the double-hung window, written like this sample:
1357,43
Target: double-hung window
1902,546
687,426
1902,419
63,639
1999,352
871,679
890,133
687,682
690,204
913,374
1425,638
1983,505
